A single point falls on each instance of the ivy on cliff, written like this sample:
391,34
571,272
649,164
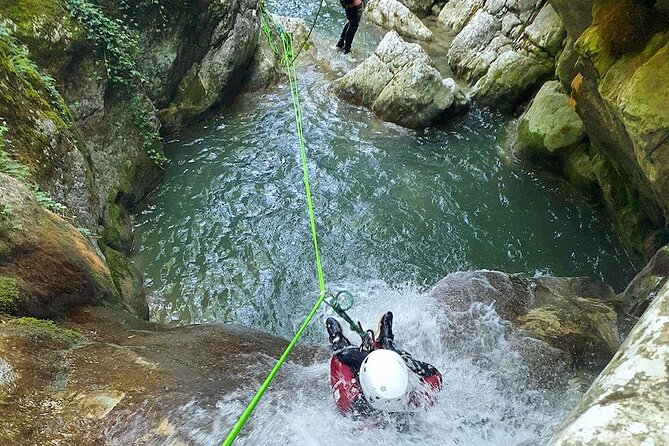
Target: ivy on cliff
120,52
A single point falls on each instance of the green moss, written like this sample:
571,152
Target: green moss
119,267
624,205
42,327
579,170
32,99
117,46
625,26
115,232
9,295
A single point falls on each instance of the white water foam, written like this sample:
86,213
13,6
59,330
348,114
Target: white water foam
487,399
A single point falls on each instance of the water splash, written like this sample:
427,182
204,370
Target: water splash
488,397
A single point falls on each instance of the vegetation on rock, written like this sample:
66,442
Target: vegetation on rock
9,294
119,49
43,327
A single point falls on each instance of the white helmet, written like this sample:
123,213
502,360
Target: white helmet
384,379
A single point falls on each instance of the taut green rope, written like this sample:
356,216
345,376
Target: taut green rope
288,61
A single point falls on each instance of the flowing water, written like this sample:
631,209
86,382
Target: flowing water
226,239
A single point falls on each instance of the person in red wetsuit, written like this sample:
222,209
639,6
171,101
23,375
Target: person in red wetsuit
375,377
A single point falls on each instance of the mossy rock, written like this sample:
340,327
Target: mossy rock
549,130
116,234
46,29
623,203
579,170
9,295
54,266
128,282
625,26
44,327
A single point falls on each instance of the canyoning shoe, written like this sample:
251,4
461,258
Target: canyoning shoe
384,334
340,45
335,333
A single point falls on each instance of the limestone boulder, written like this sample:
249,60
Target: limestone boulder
510,79
471,51
422,7
508,47
627,402
546,31
46,264
400,83
574,315
456,13
394,16
549,127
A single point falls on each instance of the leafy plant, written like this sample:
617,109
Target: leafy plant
85,232
19,62
6,214
45,200
7,164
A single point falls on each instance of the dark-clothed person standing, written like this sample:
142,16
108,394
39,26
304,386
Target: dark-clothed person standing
353,10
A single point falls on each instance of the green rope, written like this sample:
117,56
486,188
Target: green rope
287,60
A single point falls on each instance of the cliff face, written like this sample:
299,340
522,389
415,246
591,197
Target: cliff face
615,66
85,88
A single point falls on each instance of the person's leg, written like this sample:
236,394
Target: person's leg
353,16
344,369
342,38
386,338
384,334
336,335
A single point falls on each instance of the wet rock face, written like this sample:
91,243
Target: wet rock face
621,99
46,265
109,373
400,84
646,285
87,137
233,32
573,315
393,15
627,402
508,47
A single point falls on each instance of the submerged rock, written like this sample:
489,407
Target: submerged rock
394,16
400,83
574,315
627,402
549,128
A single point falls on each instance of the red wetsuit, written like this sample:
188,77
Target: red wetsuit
345,382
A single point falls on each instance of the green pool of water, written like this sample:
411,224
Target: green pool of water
225,238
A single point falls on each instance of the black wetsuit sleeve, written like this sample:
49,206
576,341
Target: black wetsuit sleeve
352,357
